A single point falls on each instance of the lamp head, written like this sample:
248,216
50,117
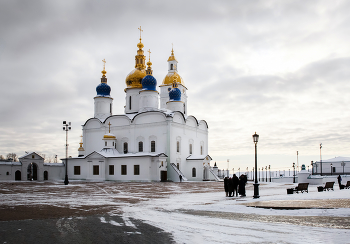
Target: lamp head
255,138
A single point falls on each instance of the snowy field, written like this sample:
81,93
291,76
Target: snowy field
169,214
199,212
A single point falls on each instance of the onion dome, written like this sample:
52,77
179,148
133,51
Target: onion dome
103,90
175,93
169,78
134,78
149,82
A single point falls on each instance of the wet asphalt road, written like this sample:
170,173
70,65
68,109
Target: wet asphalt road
90,229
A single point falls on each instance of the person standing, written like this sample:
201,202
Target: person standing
235,181
226,186
230,186
242,182
339,180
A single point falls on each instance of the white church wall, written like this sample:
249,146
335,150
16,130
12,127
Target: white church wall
186,134
56,171
148,100
7,170
191,121
132,100
198,165
149,118
118,120
149,169
164,96
103,107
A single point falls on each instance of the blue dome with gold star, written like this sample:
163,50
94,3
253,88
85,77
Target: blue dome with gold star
103,90
175,94
149,83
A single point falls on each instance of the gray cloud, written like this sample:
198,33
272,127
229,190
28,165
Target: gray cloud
278,68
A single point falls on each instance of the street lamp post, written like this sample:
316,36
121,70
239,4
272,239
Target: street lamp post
331,169
66,128
343,164
256,185
266,172
321,157
293,172
253,173
270,172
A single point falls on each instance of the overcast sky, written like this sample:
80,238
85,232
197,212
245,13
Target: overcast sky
280,68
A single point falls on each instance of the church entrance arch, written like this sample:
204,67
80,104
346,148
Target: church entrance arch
32,171
205,173
18,175
46,175
163,175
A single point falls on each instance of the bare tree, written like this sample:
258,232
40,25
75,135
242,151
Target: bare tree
42,155
12,156
2,157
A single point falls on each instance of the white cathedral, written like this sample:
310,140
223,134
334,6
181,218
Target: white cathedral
154,140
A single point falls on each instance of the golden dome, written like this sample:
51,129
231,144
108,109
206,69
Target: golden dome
134,78
109,136
171,77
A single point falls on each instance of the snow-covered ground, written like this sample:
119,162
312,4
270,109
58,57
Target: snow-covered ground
236,223
199,212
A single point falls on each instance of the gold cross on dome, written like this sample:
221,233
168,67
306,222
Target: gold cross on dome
140,31
109,124
104,64
149,55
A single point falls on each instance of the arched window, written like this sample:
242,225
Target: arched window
201,150
194,173
46,175
130,102
190,148
153,146
110,108
125,147
177,146
171,66
140,146
105,144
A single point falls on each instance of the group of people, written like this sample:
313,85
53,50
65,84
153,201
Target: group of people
235,185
